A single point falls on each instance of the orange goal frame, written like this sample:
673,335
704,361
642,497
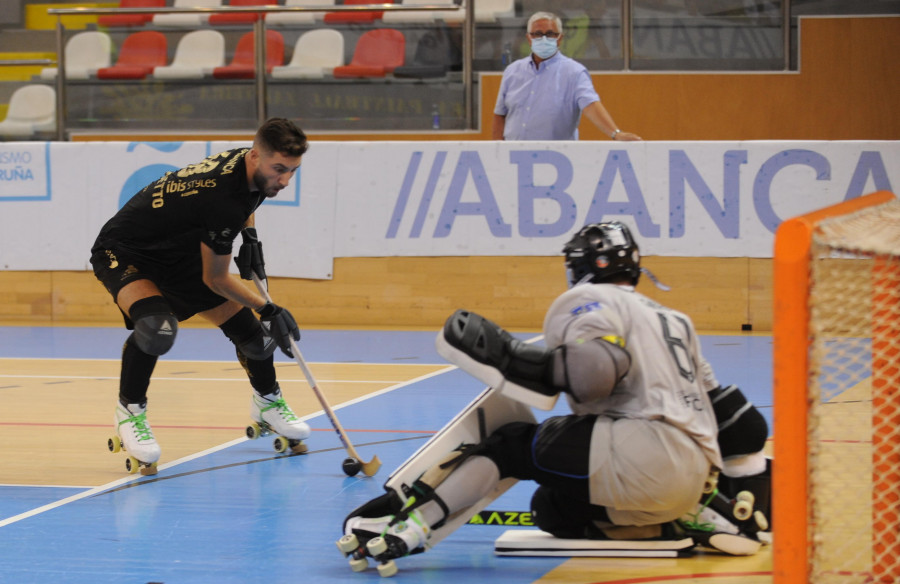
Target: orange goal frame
790,337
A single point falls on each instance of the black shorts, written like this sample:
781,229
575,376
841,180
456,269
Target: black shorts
179,278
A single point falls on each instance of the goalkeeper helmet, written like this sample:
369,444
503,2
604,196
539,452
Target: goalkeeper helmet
602,252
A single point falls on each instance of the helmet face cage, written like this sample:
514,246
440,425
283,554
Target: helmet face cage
602,252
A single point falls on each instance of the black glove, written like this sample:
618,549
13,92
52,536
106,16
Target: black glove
250,256
281,325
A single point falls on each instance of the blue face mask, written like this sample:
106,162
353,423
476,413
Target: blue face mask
544,47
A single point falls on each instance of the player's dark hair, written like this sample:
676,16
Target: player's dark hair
282,136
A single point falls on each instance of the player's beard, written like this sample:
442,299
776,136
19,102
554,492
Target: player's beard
260,181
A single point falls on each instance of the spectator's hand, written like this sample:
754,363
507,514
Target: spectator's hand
250,256
627,137
281,325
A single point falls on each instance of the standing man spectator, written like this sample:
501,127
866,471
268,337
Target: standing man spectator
543,96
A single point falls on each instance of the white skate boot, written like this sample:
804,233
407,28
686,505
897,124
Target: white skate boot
134,435
272,415
730,525
384,539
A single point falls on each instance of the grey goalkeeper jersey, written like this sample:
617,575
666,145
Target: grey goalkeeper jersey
668,378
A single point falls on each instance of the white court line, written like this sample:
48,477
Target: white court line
130,479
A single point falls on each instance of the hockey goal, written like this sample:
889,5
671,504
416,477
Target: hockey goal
836,335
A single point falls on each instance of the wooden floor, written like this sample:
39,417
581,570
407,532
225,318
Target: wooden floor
227,509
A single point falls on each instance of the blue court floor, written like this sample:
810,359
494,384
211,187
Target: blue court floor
239,512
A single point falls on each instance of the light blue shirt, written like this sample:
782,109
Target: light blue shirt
544,103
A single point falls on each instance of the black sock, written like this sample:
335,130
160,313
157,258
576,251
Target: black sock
137,367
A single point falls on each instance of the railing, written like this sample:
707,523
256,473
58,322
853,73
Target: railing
628,40
259,29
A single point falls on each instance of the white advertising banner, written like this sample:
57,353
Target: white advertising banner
721,199
54,198
372,199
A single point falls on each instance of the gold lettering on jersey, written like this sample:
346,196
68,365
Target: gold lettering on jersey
158,200
182,186
205,165
229,166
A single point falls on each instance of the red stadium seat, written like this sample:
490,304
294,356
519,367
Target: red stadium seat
240,17
377,53
114,20
243,63
356,17
139,55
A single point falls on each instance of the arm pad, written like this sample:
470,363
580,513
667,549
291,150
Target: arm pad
591,368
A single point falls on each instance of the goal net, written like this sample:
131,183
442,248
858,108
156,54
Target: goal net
836,487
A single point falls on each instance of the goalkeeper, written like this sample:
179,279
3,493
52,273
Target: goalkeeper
649,427
165,257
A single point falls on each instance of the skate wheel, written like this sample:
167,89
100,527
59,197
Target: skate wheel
746,496
761,520
376,546
253,431
132,465
358,565
710,484
298,447
387,569
280,444
348,544
743,510
114,444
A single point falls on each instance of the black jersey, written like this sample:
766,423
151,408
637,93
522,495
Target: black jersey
207,202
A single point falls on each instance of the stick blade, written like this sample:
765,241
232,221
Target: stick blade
370,468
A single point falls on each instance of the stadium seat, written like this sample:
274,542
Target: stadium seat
189,19
316,54
140,54
197,54
240,17
117,20
377,53
436,55
85,53
356,17
292,18
243,63
32,110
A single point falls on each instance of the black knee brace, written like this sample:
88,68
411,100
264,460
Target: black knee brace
248,335
742,429
155,326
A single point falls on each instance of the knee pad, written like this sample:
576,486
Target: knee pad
509,446
155,326
249,336
742,429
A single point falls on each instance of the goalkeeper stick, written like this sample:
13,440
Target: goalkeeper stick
368,468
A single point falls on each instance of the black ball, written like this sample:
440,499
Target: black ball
351,466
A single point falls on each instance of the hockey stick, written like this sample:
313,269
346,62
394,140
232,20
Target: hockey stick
368,468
